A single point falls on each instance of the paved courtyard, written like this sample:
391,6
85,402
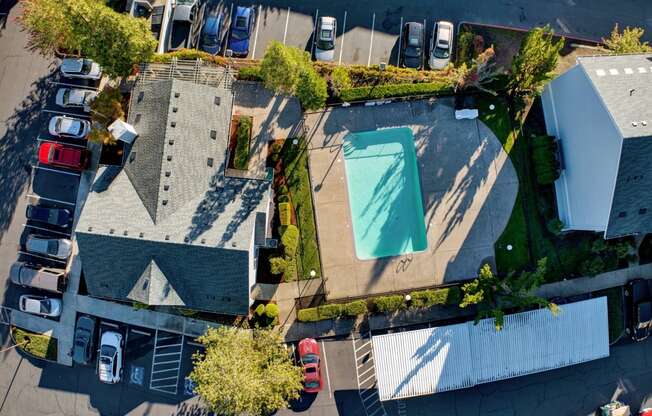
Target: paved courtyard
468,190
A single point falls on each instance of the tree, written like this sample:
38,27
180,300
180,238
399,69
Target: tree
105,109
493,295
627,42
281,66
535,61
481,71
114,40
311,89
245,372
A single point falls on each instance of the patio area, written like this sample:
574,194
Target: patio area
468,188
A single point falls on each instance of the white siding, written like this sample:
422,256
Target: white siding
435,360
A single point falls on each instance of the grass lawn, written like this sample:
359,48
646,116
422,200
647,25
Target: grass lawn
297,187
41,346
243,136
615,311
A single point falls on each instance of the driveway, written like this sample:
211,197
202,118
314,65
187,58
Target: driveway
468,187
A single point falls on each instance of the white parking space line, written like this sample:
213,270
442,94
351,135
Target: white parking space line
371,41
342,43
65,84
287,20
110,324
67,114
56,171
253,54
314,34
328,377
46,229
166,346
135,331
26,253
38,198
196,344
56,140
400,43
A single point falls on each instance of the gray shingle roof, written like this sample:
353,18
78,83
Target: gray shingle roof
171,205
624,83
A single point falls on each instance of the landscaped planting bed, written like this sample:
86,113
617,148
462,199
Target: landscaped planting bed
41,346
242,137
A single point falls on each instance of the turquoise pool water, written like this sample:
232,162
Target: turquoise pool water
384,193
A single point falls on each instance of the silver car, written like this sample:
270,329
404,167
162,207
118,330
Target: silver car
72,127
80,68
75,98
441,45
40,305
59,248
325,38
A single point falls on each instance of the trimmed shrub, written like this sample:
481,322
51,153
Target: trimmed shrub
592,266
386,304
308,315
432,297
311,89
285,213
189,54
243,134
271,310
555,226
340,80
355,308
260,310
332,311
291,269
250,73
290,240
396,90
465,47
277,265
544,158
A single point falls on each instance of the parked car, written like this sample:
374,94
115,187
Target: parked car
213,33
325,43
109,367
241,29
59,248
184,25
57,154
84,341
637,295
59,217
441,45
80,68
72,127
310,358
40,305
413,43
75,98
32,275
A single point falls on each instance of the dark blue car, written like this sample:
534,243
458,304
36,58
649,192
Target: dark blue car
241,29
54,216
212,34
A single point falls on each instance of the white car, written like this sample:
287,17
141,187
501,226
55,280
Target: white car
40,305
53,247
325,38
80,68
75,98
109,367
441,45
72,127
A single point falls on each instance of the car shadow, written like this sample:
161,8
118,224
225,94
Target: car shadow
303,403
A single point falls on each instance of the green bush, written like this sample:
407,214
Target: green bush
355,308
396,90
544,158
290,240
271,310
432,297
311,89
260,310
250,73
331,311
308,315
465,47
291,269
285,213
277,265
386,304
555,226
340,80
592,267
189,54
243,134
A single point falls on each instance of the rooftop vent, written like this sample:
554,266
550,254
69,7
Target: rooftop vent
642,211
171,142
213,134
90,229
203,241
632,91
210,162
622,214
643,123
174,109
166,187
137,120
141,95
125,232
234,244
217,100
132,156
613,71
141,235
169,158
111,231
173,124
176,95
634,124
167,237
600,72
168,173
164,202
186,240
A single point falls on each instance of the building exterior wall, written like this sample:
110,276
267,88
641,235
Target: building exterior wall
590,148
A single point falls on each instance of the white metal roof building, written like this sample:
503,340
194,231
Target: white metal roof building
435,360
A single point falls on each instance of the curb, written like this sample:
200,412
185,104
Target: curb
523,29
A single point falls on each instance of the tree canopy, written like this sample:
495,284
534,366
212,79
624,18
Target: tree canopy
281,66
245,372
312,89
535,62
629,41
114,40
494,295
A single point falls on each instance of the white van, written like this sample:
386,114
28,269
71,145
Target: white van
45,278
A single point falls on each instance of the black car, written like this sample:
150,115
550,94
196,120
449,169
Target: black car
413,45
639,301
53,216
83,346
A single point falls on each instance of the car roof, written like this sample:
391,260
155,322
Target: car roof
242,11
415,27
327,20
72,64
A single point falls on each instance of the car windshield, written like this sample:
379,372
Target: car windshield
412,52
312,384
45,306
210,40
310,359
325,45
105,360
107,351
86,66
240,27
441,53
80,343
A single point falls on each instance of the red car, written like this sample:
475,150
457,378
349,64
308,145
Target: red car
311,363
57,154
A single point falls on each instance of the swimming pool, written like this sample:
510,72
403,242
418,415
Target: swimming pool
384,193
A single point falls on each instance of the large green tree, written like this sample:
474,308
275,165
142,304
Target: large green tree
114,40
245,372
281,66
493,295
535,62
629,41
312,89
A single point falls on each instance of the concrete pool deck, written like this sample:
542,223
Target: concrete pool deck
468,188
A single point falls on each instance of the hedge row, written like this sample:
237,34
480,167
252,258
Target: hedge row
395,90
189,54
333,311
544,158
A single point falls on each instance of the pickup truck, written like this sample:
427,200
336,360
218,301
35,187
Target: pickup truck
186,19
